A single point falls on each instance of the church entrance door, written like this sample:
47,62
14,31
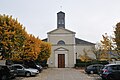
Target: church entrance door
61,60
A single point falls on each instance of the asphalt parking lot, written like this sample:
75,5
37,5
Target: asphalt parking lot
62,74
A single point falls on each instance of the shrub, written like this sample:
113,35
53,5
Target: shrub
80,63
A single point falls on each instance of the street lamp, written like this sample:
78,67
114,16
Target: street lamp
76,59
76,56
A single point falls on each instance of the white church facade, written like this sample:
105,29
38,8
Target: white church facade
66,48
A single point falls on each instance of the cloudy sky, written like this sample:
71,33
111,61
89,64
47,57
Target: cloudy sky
90,19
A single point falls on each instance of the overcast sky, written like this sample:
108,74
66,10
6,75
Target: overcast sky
90,19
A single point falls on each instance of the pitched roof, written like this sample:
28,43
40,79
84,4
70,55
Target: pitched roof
83,42
45,39
77,41
61,29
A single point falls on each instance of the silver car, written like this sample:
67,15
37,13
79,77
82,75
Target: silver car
23,70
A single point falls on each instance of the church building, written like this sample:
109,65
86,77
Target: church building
66,48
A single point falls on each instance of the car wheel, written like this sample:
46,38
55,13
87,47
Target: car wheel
91,72
110,77
4,77
27,74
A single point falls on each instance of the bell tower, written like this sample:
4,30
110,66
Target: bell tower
60,19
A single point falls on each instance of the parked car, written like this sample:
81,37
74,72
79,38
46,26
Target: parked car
6,73
24,70
93,69
33,64
30,64
110,72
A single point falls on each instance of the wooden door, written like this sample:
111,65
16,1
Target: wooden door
61,60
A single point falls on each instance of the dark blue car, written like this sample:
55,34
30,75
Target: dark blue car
93,69
110,72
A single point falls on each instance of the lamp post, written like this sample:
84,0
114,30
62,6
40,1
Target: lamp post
76,60
76,56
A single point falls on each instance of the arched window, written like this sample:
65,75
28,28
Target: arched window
61,42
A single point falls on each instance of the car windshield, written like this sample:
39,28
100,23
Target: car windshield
11,68
94,66
102,67
6,68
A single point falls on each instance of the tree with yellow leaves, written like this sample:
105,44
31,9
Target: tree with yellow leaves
17,44
31,48
11,35
45,51
117,38
106,47
85,57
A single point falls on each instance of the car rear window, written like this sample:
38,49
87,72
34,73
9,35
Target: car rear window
89,66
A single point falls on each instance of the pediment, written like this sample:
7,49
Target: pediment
61,49
61,31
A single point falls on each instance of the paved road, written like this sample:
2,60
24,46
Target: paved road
61,74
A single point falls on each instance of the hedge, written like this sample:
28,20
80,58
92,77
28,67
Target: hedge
80,63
